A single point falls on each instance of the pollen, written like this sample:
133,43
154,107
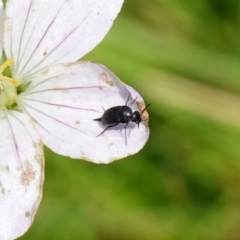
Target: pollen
6,64
8,86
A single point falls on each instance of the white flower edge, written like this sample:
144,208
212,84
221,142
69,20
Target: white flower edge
1,28
38,34
64,100
21,173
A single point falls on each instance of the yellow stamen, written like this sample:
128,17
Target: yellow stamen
6,64
15,82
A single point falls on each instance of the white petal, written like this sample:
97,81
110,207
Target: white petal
41,33
1,28
66,100
21,173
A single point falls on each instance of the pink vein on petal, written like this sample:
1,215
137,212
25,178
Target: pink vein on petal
63,89
55,119
56,47
40,124
23,30
30,36
12,114
44,35
61,105
15,142
45,80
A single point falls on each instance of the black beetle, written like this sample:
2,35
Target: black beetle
120,114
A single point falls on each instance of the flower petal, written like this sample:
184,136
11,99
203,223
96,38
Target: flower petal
41,33
21,173
66,100
1,28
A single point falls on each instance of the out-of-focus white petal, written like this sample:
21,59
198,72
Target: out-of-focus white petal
38,34
1,27
65,100
21,173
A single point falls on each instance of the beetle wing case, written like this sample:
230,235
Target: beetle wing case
111,116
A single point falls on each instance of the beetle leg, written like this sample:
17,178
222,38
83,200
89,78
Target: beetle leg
125,132
127,99
134,100
107,129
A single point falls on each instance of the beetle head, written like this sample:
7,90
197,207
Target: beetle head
136,117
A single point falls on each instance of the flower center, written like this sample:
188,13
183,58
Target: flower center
8,86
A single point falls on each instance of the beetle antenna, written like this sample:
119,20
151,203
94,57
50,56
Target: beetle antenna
145,108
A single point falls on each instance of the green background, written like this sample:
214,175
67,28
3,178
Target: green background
183,56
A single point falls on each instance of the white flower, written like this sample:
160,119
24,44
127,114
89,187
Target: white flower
49,98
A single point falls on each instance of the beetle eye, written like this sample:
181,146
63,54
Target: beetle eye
136,117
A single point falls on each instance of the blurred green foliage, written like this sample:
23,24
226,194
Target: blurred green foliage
184,57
